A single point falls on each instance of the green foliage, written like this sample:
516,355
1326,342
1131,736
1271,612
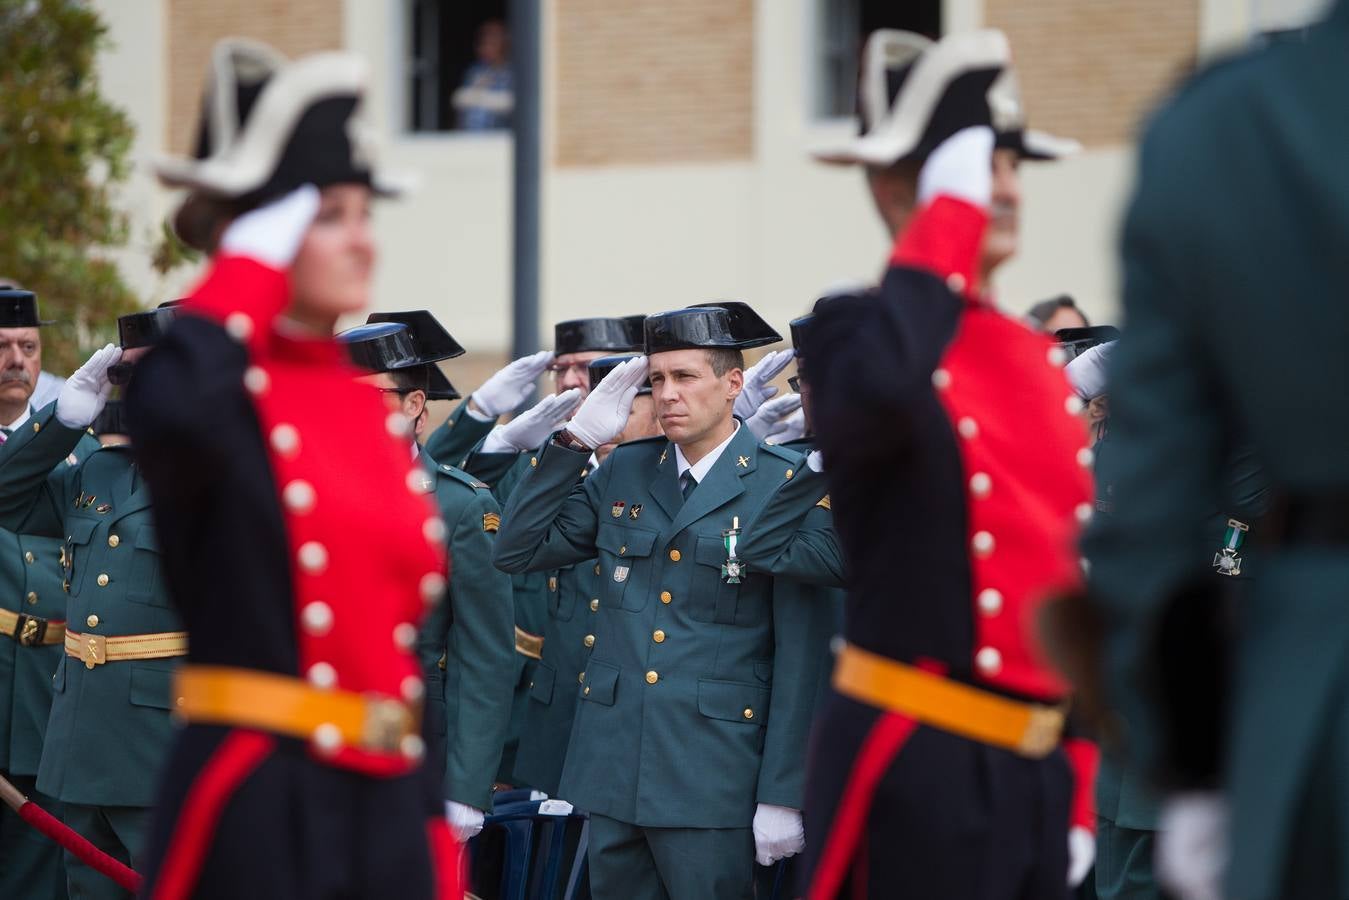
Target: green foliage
63,151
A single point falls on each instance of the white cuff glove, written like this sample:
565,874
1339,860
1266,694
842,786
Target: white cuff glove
83,395
604,414
757,389
510,387
530,429
815,460
778,833
773,422
1086,372
962,167
465,821
272,234
1081,854
1192,845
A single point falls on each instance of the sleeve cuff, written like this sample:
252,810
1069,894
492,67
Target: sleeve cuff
1084,757
945,238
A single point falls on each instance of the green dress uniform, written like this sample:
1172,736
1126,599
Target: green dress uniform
110,724
1236,333
466,645
695,702
31,600
457,436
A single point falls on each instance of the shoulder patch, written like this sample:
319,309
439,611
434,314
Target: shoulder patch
781,452
824,502
491,522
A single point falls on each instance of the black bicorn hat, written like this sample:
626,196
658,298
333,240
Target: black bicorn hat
18,309
621,334
914,93
433,344
146,328
728,324
1076,341
1009,124
601,367
269,125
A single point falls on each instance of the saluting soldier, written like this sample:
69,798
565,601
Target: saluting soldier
573,619
466,646
32,618
110,724
686,747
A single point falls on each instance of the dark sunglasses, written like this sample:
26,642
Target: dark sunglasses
794,383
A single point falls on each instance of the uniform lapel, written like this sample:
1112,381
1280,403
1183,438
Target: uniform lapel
722,483
665,486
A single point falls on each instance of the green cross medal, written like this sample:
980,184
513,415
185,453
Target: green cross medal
731,570
1226,560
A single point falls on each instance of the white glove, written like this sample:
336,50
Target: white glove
1192,845
1086,372
506,390
757,389
272,234
530,429
84,393
778,833
465,821
604,414
962,167
1081,854
771,415
815,460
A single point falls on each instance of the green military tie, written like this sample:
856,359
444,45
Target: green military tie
689,484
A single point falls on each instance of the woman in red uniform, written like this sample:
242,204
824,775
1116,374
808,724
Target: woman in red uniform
301,551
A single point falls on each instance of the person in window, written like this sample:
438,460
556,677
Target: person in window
486,97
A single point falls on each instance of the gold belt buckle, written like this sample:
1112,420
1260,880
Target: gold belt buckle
386,723
30,630
93,650
1042,732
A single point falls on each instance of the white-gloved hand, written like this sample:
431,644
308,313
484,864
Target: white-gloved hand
272,234
604,414
778,833
510,387
1086,372
531,428
772,414
1192,845
962,167
465,821
1081,854
757,390
815,460
83,395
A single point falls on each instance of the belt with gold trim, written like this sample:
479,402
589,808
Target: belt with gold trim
1032,730
31,631
288,706
527,644
96,649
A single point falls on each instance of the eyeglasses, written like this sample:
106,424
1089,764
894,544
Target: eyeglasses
794,383
557,370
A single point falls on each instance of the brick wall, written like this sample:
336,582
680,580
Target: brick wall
295,27
652,81
1091,69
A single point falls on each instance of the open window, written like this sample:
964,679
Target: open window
458,66
841,29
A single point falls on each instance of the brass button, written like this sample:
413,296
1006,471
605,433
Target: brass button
652,677
589,640
623,549
594,604
674,556
534,461
665,597
37,426
597,568
65,586
32,596
658,636
790,473
531,685
113,540
552,584
581,676
92,621
749,713
179,701
586,691
28,557
103,580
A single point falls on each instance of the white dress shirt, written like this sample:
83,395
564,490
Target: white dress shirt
700,469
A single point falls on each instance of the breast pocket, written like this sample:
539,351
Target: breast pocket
145,585
625,568
79,553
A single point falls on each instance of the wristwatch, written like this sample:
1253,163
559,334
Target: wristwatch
564,438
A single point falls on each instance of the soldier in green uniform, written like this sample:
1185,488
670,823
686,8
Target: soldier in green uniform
687,746
1232,236
465,645
110,721
32,620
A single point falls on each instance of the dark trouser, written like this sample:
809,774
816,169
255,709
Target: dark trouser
120,832
1124,863
278,825
895,809
30,864
628,862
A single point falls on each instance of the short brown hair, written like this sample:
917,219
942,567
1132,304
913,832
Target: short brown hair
724,359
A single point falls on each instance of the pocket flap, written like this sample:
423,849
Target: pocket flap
710,551
79,530
541,687
600,683
624,542
151,687
147,539
733,701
